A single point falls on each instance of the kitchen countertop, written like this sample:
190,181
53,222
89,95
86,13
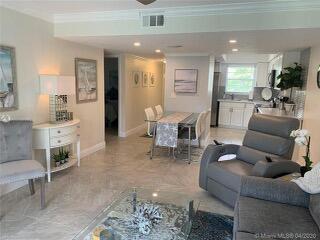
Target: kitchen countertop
276,112
255,102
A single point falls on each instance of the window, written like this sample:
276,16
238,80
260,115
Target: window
240,78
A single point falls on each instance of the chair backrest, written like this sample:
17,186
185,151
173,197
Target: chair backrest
150,114
15,141
200,126
268,136
159,110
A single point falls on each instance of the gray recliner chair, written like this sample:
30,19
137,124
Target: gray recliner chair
275,209
267,137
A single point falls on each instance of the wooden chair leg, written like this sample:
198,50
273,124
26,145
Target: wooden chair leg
42,192
31,186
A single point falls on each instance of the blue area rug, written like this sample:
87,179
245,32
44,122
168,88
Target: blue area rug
211,226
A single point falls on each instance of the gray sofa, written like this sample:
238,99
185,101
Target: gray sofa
16,162
266,136
275,209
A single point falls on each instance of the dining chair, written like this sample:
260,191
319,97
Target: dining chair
150,117
16,163
159,111
196,132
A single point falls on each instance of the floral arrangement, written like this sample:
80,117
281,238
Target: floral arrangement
302,138
145,217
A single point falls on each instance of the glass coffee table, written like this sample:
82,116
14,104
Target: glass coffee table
141,214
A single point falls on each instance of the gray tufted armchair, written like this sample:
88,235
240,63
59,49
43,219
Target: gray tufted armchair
16,162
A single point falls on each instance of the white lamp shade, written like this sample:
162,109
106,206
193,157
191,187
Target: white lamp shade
57,85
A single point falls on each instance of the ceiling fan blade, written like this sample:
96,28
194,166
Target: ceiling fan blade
146,2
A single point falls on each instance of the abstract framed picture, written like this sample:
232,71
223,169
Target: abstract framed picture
86,80
152,80
185,80
136,79
8,79
145,79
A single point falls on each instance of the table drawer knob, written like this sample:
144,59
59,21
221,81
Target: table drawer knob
59,141
59,131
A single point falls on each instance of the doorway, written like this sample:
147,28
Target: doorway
111,98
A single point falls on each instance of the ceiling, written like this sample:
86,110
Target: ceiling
48,8
262,42
216,43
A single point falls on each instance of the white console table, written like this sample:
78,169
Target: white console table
48,135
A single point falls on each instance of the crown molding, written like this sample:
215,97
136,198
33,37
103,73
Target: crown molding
187,54
29,12
207,10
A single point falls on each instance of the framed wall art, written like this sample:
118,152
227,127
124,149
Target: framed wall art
152,80
86,80
185,80
136,79
145,79
8,79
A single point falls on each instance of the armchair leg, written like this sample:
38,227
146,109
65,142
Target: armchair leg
42,192
31,186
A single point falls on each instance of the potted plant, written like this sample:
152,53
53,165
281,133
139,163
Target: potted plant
56,158
62,157
289,78
66,155
302,138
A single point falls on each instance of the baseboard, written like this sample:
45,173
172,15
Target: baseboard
93,149
133,130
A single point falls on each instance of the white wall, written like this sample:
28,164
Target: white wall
135,100
312,113
188,102
38,52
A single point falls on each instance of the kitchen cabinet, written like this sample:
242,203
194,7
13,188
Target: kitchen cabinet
224,116
247,115
235,114
236,118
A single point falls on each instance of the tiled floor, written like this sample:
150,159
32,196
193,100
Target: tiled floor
77,195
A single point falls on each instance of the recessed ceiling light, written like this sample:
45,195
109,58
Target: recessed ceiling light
158,51
235,50
137,44
232,41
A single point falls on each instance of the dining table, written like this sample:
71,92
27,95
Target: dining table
172,120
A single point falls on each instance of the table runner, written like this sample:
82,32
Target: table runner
167,129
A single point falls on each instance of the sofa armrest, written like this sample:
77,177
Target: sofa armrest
211,154
274,190
275,168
